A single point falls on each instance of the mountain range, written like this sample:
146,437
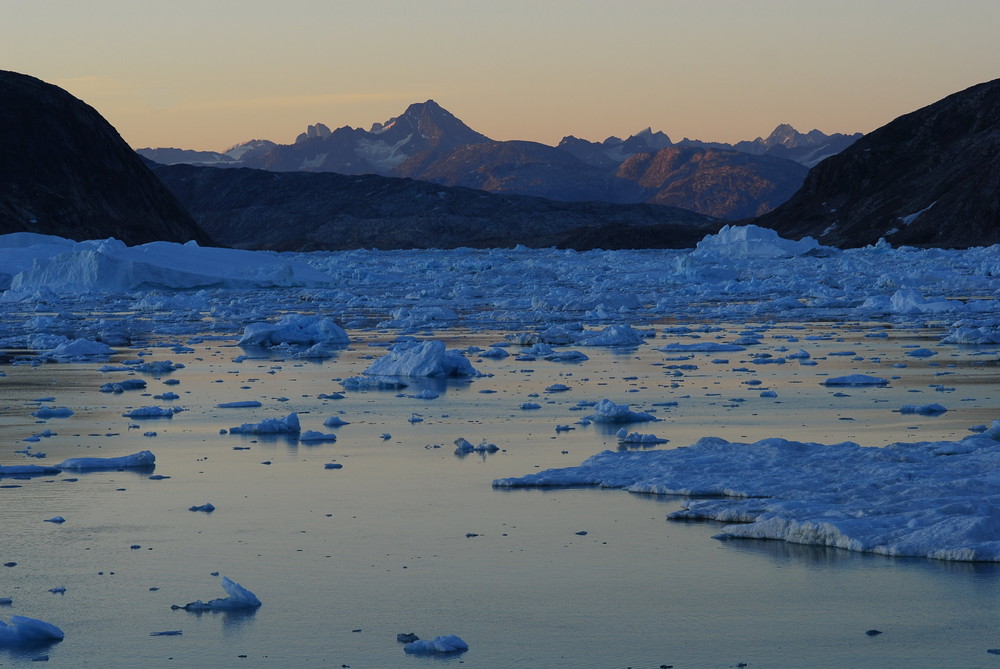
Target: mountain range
428,143
928,178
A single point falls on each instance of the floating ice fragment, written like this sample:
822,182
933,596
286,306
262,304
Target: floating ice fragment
52,412
372,383
335,421
607,411
463,445
55,519
626,437
239,598
79,349
140,459
23,630
855,380
316,437
152,412
167,633
441,644
207,507
296,330
287,425
923,409
123,385
428,358
701,347
557,388
244,404
26,470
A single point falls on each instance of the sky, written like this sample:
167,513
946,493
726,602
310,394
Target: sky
208,74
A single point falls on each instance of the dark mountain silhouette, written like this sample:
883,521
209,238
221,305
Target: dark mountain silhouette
305,211
928,178
65,171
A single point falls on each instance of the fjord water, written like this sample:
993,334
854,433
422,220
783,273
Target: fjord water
409,537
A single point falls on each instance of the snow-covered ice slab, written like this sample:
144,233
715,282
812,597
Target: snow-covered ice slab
239,598
140,459
23,630
928,499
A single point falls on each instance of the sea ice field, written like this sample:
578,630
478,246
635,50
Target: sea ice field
755,453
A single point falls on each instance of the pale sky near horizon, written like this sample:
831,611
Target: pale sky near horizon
207,74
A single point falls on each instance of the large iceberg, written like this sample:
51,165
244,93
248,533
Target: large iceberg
752,241
927,499
109,265
428,358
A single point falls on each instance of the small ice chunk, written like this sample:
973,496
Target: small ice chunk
123,385
55,519
440,644
207,507
923,409
335,421
607,411
855,380
287,425
626,437
463,445
152,412
316,437
239,598
52,412
244,404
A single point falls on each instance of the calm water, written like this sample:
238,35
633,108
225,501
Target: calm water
408,537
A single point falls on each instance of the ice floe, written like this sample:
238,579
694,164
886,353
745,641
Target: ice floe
928,499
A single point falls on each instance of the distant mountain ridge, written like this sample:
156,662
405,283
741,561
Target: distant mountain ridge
429,143
310,211
927,178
